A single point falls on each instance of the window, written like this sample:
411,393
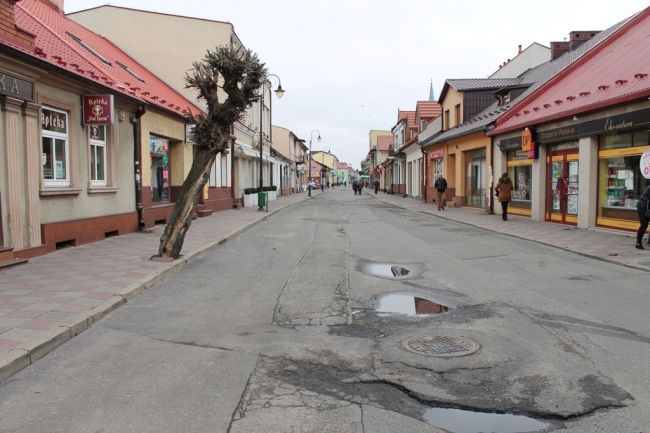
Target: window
127,69
159,158
446,119
54,125
98,155
224,169
213,174
457,113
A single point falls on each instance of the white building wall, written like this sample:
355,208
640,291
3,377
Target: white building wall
533,56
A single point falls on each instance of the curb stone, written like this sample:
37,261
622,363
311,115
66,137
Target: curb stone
15,360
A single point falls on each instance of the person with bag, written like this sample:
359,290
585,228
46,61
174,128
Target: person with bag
441,186
643,210
503,193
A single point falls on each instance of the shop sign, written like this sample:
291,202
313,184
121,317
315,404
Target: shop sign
621,122
527,140
510,144
54,121
645,164
97,109
16,87
436,154
189,130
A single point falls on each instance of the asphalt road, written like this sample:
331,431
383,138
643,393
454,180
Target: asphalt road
278,331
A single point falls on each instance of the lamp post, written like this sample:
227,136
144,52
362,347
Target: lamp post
280,93
309,175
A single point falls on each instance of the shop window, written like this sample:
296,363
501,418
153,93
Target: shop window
620,182
520,170
98,155
56,152
160,176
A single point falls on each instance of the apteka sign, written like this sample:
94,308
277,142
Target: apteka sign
97,109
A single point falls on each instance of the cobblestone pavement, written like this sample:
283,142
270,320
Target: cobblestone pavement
608,245
72,287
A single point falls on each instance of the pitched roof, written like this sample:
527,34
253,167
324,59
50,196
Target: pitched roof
534,78
384,142
428,109
615,71
409,115
70,46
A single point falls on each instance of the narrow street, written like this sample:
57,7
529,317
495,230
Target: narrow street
309,322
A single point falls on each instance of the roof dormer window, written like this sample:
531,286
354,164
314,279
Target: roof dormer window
126,68
93,52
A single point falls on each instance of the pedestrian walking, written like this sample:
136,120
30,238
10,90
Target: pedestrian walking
643,209
360,187
328,184
376,185
441,186
503,193
355,186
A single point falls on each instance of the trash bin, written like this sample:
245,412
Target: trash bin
261,199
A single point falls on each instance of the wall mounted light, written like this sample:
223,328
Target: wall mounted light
575,118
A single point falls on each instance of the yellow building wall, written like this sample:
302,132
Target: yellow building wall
180,153
374,133
455,155
452,98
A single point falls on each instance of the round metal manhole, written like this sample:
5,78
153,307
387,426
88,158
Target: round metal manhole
441,346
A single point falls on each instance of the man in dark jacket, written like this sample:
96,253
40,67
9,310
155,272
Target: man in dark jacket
441,187
376,185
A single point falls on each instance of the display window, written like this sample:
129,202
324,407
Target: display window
620,182
520,170
160,174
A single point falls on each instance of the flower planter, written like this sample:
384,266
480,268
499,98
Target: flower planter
273,195
254,199
248,200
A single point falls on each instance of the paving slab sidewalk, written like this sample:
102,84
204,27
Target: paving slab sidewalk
606,245
54,297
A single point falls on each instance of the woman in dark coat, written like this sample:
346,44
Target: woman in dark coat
504,194
641,209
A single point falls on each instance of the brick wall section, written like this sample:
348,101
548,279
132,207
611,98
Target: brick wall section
8,29
219,199
80,232
153,212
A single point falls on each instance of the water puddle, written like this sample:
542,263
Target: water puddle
399,303
464,421
392,270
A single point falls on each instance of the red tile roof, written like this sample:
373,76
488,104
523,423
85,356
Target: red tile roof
428,109
410,115
56,45
614,72
384,142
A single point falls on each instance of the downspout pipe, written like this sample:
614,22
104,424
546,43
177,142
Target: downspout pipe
137,161
426,174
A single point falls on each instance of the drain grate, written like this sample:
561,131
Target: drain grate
442,346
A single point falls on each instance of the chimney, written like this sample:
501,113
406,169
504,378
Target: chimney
576,38
559,48
57,5
519,51
8,29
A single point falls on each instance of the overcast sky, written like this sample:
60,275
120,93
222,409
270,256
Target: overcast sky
348,65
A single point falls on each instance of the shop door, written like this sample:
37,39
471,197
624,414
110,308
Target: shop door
562,192
475,178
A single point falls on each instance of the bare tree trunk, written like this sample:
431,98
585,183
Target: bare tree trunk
172,239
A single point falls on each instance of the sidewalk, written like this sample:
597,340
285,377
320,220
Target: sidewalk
54,297
606,245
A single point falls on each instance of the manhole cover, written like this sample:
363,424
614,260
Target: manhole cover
443,346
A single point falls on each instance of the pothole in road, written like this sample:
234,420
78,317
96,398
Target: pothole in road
392,270
411,305
464,421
